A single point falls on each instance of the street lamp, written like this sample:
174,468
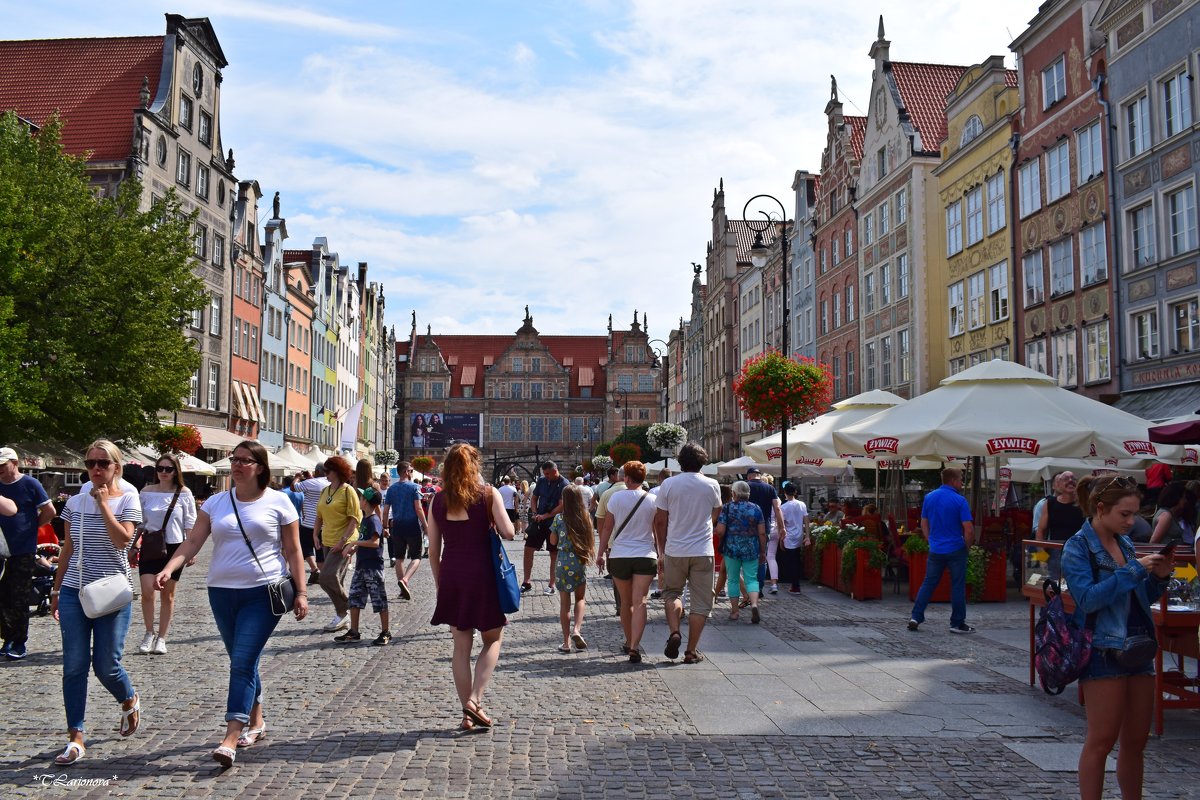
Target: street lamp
623,404
659,365
758,257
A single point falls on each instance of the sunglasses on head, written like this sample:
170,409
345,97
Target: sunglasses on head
1120,482
164,468
92,463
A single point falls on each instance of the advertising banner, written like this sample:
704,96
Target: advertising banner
438,431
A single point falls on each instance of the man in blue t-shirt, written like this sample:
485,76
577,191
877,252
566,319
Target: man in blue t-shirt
403,503
547,499
763,495
34,510
946,523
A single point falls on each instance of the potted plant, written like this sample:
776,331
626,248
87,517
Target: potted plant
775,390
826,550
917,550
423,464
863,559
666,437
601,464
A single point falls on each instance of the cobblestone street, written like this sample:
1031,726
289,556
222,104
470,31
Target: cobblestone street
828,698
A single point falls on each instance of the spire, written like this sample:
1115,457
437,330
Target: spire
645,325
880,35
880,49
610,323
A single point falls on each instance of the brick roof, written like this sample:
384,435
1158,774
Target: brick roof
93,84
745,237
1010,78
923,90
858,134
586,354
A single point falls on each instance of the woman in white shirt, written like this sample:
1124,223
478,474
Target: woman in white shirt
627,530
256,541
98,528
168,494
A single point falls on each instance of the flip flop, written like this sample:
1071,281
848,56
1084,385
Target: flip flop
673,642
692,657
251,736
404,591
70,754
564,648
579,641
129,726
477,716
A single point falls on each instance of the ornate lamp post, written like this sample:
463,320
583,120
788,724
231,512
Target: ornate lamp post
759,253
623,404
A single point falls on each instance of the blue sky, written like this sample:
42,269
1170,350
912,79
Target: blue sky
485,155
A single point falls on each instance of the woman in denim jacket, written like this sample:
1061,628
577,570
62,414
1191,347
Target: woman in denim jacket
1119,701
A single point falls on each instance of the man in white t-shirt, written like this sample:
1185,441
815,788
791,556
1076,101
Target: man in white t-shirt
509,494
309,546
688,506
586,492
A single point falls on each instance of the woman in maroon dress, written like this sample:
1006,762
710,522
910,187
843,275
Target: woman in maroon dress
460,557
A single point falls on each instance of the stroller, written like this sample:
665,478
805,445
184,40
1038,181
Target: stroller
44,567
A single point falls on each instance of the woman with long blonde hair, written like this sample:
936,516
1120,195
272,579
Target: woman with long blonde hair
460,557
575,538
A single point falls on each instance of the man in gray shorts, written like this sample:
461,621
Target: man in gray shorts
688,506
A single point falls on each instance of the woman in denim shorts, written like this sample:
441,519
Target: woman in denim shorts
1119,699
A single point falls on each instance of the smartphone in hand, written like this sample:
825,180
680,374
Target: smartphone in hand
1169,550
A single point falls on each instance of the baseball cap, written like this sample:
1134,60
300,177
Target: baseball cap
370,495
7,454
754,471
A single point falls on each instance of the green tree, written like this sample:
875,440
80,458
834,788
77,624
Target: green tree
92,295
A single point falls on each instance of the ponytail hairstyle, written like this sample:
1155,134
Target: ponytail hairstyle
1094,490
578,524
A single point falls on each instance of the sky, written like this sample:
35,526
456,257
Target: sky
482,155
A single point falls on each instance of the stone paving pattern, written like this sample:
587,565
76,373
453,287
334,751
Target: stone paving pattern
827,698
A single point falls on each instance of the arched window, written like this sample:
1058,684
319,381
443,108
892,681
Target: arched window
972,129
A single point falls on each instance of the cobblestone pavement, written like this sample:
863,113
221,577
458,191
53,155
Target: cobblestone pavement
827,698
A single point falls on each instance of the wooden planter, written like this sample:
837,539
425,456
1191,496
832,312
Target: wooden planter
812,566
995,582
867,583
917,563
831,565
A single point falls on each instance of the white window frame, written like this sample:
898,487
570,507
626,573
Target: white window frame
1054,82
1179,207
976,300
998,291
214,383
885,284
1033,275
1062,267
1058,171
1029,179
868,229
954,241
1093,254
869,366
1185,326
1135,124
849,302
901,206
1145,335
885,362
885,218
1066,359
868,294
904,351
1143,236
214,315
996,212
974,215
1035,356
194,389
1097,360
1090,148
956,303
1175,92
183,168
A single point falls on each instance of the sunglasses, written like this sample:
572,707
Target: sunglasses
164,468
241,462
1120,481
92,463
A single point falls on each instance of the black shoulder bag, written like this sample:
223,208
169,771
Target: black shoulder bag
153,544
282,592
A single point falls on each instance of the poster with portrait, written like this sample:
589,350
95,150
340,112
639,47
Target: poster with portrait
433,430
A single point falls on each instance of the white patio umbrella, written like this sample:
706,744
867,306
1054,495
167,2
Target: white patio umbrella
294,458
666,463
814,439
1036,470
1002,408
831,468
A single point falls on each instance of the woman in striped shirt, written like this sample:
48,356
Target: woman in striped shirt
99,527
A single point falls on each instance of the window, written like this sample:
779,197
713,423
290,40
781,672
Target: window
183,169
537,429
974,200
836,251
1145,334
885,284
869,363
1181,220
185,111
517,364
535,390
1177,103
977,358
202,181
214,316
902,344
824,317
214,381
956,308
957,365
849,302
417,392
976,300
868,293
1035,355
849,370
885,361
1063,351
645,383
901,205
245,340
885,218
1000,352
1058,171
625,383
849,243
437,390
954,228
1054,82
1093,257
201,247
554,426
837,310
1029,180
824,259
998,277
194,389
205,130
1137,126
971,131
198,321
237,336
995,202
1095,352
1185,321
881,162
535,364
836,369
1062,268
902,279
1091,157
868,229
1141,236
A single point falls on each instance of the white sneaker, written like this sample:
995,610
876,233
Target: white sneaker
147,643
160,646
337,623
774,589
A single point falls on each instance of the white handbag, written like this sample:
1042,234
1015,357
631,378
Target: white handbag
103,597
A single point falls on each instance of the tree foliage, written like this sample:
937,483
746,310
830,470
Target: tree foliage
92,295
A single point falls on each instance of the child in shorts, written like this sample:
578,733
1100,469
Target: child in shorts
368,571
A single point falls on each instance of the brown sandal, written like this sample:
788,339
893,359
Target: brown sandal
477,716
692,656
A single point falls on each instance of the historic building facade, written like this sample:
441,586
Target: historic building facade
272,384
974,259
245,416
802,325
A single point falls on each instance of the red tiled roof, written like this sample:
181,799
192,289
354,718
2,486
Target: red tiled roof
923,90
93,84
472,354
858,134
745,237
1010,78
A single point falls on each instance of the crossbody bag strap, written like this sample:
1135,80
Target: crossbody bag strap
626,521
170,511
1090,623
238,517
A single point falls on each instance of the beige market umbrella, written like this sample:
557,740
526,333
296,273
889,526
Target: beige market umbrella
1000,408
814,439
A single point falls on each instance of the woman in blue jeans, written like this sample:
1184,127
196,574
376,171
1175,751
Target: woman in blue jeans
743,535
256,541
99,527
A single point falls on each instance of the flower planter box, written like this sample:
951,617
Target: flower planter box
812,565
831,566
867,583
917,563
995,583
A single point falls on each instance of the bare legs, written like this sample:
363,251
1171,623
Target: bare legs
234,728
167,602
471,686
1117,709
564,613
632,596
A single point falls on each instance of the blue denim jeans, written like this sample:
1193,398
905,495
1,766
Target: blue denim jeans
937,564
245,622
95,642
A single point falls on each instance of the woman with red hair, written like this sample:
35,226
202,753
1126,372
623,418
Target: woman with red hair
338,517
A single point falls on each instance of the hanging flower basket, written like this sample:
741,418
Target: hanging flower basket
773,390
601,464
423,464
386,457
625,451
666,437
178,439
